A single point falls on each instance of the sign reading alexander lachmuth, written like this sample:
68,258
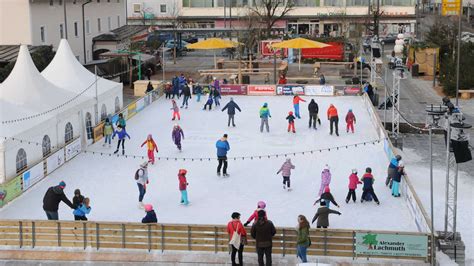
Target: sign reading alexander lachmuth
374,244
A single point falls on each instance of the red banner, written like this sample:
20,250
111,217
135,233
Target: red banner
261,89
266,50
228,89
335,52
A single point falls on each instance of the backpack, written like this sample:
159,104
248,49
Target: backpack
137,175
236,238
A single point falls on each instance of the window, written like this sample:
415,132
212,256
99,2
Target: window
163,8
118,21
68,133
76,32
88,29
234,3
333,2
357,2
109,23
117,104
21,162
198,3
61,31
51,2
89,129
137,8
88,55
307,3
46,146
98,25
42,34
398,2
103,112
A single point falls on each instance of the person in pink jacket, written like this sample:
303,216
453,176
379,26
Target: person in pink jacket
325,179
285,170
353,181
175,109
260,207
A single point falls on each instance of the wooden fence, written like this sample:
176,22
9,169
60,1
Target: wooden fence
171,237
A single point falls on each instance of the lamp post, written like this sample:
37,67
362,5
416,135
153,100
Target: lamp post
84,30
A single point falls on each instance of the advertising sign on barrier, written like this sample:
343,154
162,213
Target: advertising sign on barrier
351,90
131,110
10,190
228,89
140,104
98,132
319,90
261,89
54,161
32,176
290,90
393,245
73,149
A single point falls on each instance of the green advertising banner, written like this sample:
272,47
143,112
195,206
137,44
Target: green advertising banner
374,244
10,190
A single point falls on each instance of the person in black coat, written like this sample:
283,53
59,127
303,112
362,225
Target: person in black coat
52,198
187,95
175,82
150,216
313,109
149,87
217,95
263,231
231,106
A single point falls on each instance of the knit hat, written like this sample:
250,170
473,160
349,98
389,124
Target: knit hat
398,157
354,171
235,215
322,203
290,113
231,98
148,207
265,104
368,170
261,204
350,110
62,184
182,171
326,167
327,189
144,164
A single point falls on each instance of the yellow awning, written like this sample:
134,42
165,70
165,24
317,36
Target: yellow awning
300,43
213,43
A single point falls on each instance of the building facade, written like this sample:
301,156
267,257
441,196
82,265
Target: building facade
46,22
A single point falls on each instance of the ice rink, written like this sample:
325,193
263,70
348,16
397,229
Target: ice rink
109,180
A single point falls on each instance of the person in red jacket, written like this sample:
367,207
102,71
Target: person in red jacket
282,80
291,122
333,118
151,147
183,185
353,182
296,104
235,226
350,120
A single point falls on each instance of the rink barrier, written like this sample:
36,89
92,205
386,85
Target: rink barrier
287,89
179,237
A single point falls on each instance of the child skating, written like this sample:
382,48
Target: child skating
176,135
121,133
208,102
291,122
350,121
108,130
260,207
81,211
175,109
151,148
183,185
325,179
327,197
353,182
286,173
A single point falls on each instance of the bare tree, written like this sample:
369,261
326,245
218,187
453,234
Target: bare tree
270,11
175,23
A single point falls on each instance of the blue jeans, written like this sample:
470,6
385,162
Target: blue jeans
216,101
52,215
297,110
185,101
184,197
328,203
108,139
141,191
395,190
301,252
198,97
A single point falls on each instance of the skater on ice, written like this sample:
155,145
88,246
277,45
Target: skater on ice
151,148
223,147
121,133
238,241
322,215
291,122
82,210
168,90
198,91
333,119
175,109
231,106
313,110
78,199
176,135
183,186
392,170
186,95
150,216
175,87
208,102
261,205
302,238
350,121
141,176
368,180
52,198
327,197
296,105
285,170
108,130
217,95
353,182
397,178
325,179
264,115
121,121
263,231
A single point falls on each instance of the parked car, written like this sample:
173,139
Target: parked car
182,45
389,38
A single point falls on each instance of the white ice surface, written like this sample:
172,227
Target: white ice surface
109,181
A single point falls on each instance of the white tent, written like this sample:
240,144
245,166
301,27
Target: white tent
66,72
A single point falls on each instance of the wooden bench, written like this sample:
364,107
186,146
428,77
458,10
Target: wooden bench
466,94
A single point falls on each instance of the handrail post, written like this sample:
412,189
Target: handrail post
215,239
33,234
97,241
123,236
189,237
325,242
284,242
162,238
353,244
59,234
149,237
21,233
84,233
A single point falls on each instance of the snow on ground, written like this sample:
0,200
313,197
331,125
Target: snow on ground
109,181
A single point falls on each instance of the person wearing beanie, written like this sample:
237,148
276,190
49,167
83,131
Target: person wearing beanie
150,217
141,176
261,205
231,106
175,109
151,148
313,110
285,170
333,119
121,121
238,241
216,93
77,199
121,133
327,197
52,198
81,211
222,147
264,115
198,91
291,122
108,130
183,186
296,105
350,121
263,231
397,178
325,179
368,181
187,95
392,170
176,135
322,215
353,182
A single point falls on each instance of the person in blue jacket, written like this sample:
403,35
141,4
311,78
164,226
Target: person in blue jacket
208,102
176,85
121,133
150,216
223,147
231,106
392,170
81,211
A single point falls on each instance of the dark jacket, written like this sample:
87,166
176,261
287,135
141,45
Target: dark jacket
263,232
231,106
398,175
216,93
198,89
368,180
313,107
323,216
186,91
290,118
149,87
52,198
150,217
328,197
77,201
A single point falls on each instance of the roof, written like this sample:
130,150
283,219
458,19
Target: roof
122,33
9,53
